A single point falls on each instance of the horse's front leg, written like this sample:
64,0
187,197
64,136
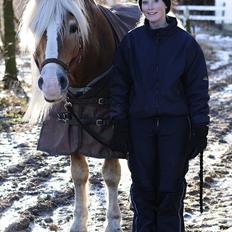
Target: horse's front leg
80,173
112,173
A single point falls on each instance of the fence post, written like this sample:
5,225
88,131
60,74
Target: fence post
219,12
186,15
228,12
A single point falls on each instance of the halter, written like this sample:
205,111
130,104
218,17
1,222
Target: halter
77,59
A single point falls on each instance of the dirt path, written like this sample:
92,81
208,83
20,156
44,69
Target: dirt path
38,192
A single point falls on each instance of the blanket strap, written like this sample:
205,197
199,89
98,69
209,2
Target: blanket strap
69,109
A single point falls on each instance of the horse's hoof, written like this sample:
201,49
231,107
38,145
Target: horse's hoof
78,229
109,229
74,230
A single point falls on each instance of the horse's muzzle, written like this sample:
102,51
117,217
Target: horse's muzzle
63,81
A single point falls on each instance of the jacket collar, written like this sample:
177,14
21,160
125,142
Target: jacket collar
166,31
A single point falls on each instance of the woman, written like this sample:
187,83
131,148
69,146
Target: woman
160,87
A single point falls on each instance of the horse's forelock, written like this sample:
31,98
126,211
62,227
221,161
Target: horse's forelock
39,13
81,16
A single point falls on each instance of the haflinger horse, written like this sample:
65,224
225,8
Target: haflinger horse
72,44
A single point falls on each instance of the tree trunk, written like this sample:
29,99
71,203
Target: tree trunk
10,77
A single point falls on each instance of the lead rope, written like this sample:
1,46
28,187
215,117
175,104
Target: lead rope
201,181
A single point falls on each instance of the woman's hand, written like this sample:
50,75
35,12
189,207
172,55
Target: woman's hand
198,141
120,139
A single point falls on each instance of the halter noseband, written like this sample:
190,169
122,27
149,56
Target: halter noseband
56,61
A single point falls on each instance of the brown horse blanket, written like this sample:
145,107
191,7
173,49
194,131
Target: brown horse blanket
122,17
64,137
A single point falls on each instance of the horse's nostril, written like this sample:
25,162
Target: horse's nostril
63,82
40,82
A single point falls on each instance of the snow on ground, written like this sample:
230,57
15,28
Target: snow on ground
222,46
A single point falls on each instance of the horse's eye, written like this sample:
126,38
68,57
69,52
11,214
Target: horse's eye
73,28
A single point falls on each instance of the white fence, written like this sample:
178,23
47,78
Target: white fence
222,12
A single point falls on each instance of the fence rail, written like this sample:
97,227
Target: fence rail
221,13
200,8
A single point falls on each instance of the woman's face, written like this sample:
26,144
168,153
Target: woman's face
154,10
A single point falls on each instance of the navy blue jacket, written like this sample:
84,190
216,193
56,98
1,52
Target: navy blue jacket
160,72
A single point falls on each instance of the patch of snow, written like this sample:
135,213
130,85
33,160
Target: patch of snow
220,38
222,47
13,214
58,181
202,37
10,153
228,88
228,138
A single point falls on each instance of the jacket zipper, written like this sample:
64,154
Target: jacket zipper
157,122
157,72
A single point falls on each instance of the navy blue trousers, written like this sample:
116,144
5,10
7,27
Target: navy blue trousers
158,164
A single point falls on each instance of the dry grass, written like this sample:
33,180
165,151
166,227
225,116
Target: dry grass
12,109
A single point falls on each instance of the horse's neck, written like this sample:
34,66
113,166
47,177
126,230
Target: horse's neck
99,51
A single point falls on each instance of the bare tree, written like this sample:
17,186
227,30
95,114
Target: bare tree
9,44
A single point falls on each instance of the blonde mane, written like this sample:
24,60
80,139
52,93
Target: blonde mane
35,19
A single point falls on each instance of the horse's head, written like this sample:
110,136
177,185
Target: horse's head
71,43
55,31
60,48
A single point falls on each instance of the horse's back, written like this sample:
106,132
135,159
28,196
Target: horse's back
122,17
128,13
